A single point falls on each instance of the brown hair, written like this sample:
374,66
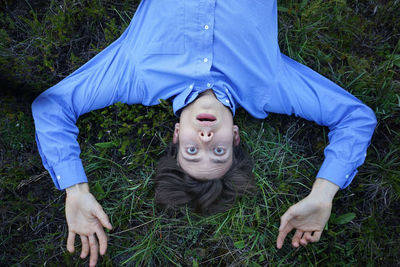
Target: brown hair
175,188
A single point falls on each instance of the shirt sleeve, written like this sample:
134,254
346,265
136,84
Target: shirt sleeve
109,77
305,93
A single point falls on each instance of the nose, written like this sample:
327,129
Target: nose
206,136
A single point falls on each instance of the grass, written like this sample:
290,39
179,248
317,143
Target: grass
354,43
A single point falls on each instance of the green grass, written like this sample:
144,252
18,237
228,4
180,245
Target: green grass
354,43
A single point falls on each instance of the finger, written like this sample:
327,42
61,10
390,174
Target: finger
102,216
102,240
316,236
284,228
285,219
296,238
70,242
94,250
306,238
85,246
282,235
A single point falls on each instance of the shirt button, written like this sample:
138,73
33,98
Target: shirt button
205,60
227,101
191,86
208,84
58,177
347,176
206,27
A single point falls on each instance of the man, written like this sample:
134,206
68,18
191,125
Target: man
209,57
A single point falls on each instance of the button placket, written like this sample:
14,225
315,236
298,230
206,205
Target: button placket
205,41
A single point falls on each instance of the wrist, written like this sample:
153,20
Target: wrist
324,190
78,188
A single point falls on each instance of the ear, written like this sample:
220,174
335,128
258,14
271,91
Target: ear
236,137
175,138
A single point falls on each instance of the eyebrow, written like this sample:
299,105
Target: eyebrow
221,161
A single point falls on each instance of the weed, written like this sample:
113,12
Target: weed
354,43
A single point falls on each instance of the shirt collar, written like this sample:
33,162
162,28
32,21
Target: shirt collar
188,95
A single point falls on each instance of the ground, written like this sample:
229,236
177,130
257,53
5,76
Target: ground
354,43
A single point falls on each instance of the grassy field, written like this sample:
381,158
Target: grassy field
354,43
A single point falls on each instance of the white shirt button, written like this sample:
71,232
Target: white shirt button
347,176
227,101
205,60
226,90
58,177
208,84
191,86
206,27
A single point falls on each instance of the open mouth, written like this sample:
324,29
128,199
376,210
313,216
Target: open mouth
206,119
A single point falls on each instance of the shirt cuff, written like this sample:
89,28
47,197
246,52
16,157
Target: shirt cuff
69,173
337,172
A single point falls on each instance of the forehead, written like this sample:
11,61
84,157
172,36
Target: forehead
205,168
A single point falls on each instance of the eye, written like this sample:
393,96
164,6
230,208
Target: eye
219,151
192,150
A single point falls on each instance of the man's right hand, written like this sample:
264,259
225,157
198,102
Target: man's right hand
86,218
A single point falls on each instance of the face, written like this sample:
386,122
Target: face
206,136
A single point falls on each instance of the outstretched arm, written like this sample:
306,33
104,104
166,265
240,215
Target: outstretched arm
86,218
307,94
302,92
109,77
309,215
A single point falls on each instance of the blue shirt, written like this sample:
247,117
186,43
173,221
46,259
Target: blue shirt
176,50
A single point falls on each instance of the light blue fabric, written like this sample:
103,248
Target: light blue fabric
176,50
